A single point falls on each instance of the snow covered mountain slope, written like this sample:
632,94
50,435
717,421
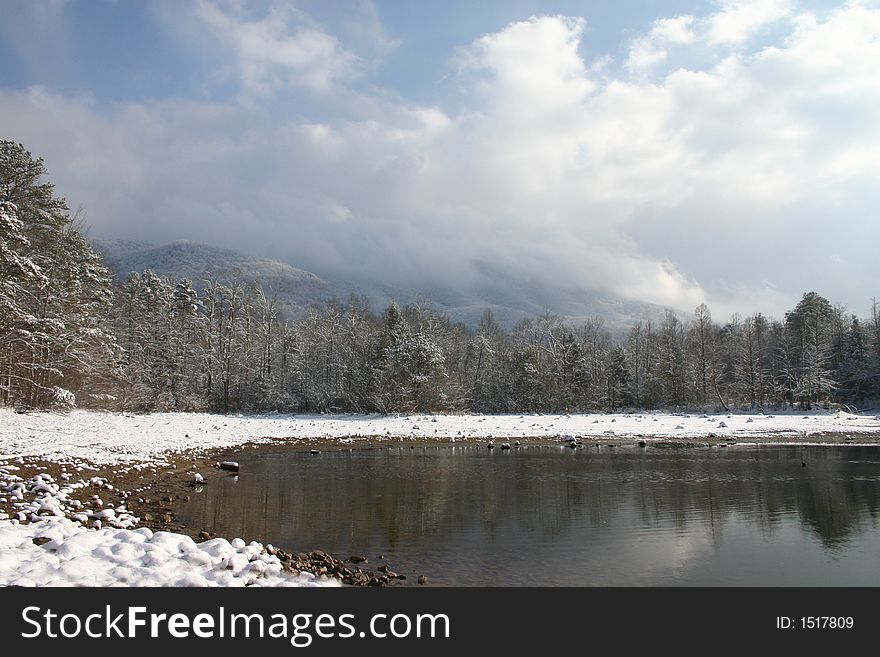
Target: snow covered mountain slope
510,298
296,289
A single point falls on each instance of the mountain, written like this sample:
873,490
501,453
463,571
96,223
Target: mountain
510,298
296,289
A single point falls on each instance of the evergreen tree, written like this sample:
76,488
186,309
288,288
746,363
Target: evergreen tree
55,293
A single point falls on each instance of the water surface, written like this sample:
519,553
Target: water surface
464,515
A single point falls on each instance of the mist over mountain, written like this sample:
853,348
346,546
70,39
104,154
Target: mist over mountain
511,298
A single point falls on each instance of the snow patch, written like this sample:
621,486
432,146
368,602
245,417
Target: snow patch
59,552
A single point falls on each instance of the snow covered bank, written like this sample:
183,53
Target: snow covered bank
73,529
48,542
41,496
58,552
110,438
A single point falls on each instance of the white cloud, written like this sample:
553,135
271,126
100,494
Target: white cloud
717,182
652,48
533,65
739,20
279,49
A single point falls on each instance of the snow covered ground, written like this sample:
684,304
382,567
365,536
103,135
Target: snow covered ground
55,539
60,552
110,438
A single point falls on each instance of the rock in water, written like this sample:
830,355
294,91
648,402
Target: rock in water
422,579
231,466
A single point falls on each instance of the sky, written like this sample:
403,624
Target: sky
677,152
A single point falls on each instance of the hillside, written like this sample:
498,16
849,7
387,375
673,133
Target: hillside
510,298
296,289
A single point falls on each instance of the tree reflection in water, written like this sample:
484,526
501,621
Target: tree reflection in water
621,516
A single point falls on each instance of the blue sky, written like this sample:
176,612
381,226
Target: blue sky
677,152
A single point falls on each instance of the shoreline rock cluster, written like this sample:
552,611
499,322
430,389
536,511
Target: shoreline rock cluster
320,563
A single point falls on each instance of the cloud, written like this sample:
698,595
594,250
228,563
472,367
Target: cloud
722,180
651,48
736,22
739,20
279,49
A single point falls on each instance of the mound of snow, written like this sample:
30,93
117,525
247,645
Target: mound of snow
59,552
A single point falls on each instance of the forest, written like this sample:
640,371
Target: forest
72,335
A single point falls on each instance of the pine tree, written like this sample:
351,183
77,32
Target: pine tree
855,372
809,327
54,296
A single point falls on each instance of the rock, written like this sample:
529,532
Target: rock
383,568
41,540
423,579
358,559
490,445
643,443
231,466
204,536
314,451
505,445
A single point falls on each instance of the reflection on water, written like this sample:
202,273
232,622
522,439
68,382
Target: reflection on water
624,517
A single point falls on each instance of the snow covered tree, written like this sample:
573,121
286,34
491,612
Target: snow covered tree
671,361
54,295
20,278
703,341
809,328
855,372
751,361
618,379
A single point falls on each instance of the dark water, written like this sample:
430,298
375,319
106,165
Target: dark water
624,517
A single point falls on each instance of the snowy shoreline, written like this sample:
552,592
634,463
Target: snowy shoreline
60,535
107,438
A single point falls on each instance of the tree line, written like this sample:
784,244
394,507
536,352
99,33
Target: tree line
71,335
